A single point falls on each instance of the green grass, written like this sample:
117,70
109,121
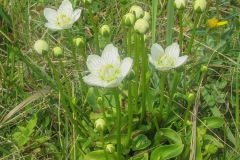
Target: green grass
46,117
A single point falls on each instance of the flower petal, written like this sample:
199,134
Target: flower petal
50,14
126,66
52,26
66,8
173,51
76,14
156,51
94,63
153,62
93,80
180,61
110,55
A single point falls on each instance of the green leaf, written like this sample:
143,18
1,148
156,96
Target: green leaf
198,149
31,124
91,98
99,155
199,31
167,151
232,15
5,16
214,122
213,140
143,156
170,135
22,140
24,131
42,139
140,142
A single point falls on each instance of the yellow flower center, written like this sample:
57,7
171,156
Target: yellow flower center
165,61
109,72
63,20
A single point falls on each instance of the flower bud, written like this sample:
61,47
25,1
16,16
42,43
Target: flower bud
110,148
204,69
100,124
123,1
41,47
74,101
141,26
57,52
148,74
137,11
100,100
79,42
180,4
211,149
146,16
129,19
200,6
87,2
105,30
190,97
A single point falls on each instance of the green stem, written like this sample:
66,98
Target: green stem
103,145
144,70
66,139
237,104
197,16
162,82
155,121
83,85
129,41
12,66
62,95
105,117
124,30
181,30
94,29
173,91
136,66
67,86
130,113
118,110
170,22
130,104
154,19
186,115
81,51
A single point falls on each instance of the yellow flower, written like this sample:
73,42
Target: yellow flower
213,23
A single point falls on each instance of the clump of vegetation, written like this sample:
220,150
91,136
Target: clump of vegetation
120,79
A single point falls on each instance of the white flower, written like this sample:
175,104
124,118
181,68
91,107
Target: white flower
108,70
63,18
168,59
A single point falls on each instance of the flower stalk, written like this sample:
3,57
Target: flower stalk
103,144
196,20
154,19
162,84
180,30
144,70
173,91
130,104
94,29
84,87
62,95
136,66
124,30
118,110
